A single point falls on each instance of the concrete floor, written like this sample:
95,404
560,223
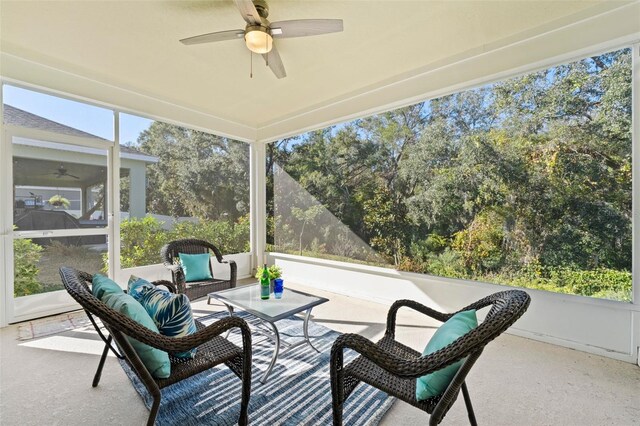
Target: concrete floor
516,381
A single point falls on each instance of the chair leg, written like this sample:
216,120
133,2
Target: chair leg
336,402
245,376
154,408
467,402
96,377
244,404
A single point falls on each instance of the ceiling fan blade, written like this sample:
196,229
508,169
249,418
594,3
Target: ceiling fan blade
275,62
249,12
211,37
73,176
305,27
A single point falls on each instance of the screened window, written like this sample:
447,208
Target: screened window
525,182
180,183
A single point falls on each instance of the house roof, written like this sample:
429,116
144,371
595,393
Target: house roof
19,117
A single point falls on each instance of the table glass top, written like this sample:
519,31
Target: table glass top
248,298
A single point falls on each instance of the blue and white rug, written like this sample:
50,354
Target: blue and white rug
297,392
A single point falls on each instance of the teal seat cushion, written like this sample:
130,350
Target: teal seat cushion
170,312
195,266
435,383
102,286
155,360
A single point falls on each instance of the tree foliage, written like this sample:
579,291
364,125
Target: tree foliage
529,172
198,174
142,238
26,256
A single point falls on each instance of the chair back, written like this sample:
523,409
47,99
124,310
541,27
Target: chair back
505,309
169,253
77,285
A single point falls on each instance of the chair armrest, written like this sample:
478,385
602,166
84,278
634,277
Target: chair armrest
173,267
408,368
183,343
393,311
233,272
172,288
177,274
368,349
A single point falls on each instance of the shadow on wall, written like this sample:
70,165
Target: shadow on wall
304,226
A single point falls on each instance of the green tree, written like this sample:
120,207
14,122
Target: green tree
198,174
305,217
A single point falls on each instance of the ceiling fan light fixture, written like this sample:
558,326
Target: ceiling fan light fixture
258,39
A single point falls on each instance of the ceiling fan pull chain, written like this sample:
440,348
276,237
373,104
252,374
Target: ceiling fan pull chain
251,61
268,49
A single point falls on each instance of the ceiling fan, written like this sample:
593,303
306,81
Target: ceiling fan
62,172
259,33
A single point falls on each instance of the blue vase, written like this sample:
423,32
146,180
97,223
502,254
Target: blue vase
278,288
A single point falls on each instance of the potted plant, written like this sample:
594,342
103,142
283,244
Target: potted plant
58,201
274,272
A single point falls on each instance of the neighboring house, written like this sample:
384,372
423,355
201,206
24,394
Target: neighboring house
43,168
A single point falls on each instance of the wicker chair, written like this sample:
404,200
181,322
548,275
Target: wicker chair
394,367
196,289
212,348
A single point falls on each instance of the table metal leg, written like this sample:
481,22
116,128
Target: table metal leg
274,357
305,329
230,309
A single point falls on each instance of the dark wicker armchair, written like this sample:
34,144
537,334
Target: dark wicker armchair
394,367
196,289
213,349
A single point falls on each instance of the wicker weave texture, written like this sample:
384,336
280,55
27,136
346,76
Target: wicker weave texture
212,348
394,368
196,289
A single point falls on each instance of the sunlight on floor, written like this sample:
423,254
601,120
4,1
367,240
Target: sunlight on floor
68,344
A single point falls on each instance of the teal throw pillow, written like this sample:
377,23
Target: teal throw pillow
435,383
195,266
170,312
101,286
156,361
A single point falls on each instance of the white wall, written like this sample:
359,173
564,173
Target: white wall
596,326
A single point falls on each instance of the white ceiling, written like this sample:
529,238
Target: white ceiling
134,45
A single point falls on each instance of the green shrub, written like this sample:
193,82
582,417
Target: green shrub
449,264
601,283
26,257
141,241
480,244
227,236
142,238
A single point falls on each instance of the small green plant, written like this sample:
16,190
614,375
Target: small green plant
59,201
274,272
26,258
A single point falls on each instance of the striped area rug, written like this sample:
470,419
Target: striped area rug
298,391
53,325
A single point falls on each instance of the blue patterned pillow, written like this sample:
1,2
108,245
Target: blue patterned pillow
170,312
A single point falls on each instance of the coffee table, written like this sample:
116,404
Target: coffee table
270,311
